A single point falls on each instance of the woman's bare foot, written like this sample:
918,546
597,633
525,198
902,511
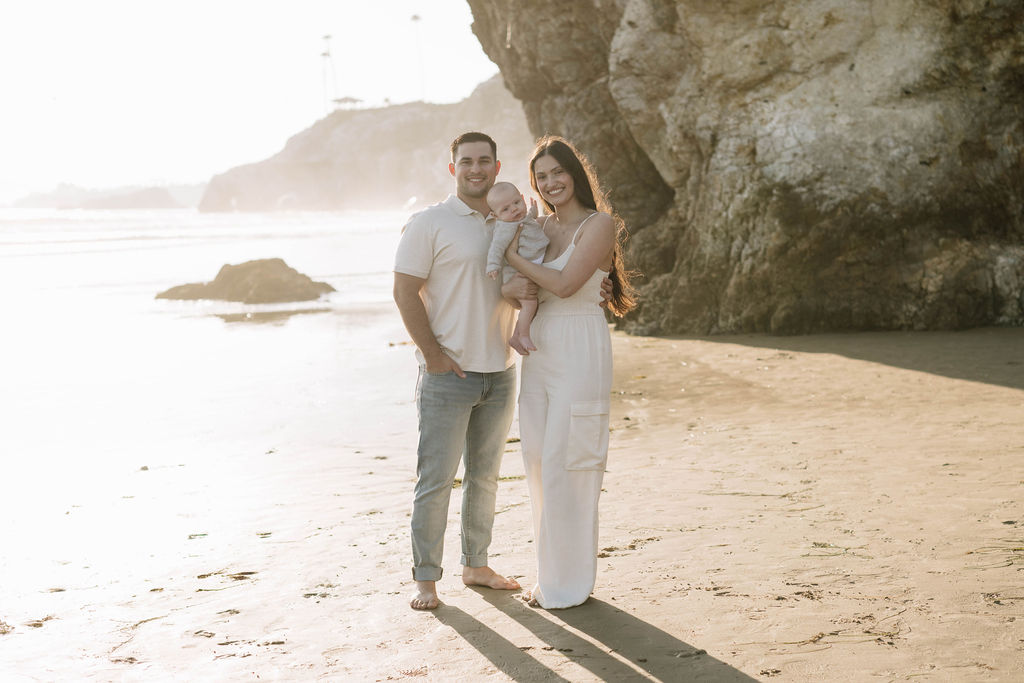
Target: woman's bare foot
426,596
487,577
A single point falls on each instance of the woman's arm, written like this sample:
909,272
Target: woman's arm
590,253
518,289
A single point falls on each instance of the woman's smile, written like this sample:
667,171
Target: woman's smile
554,183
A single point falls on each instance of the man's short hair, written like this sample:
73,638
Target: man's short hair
473,137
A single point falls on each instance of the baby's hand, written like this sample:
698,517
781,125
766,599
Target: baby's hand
493,274
532,213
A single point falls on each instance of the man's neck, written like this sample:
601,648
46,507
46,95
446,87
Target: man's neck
478,204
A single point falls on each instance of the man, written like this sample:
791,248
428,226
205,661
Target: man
465,394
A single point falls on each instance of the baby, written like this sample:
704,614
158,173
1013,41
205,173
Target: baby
508,205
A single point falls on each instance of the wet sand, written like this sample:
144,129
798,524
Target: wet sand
832,507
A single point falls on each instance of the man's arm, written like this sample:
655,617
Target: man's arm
414,315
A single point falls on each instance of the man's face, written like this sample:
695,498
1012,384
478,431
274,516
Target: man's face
474,169
508,206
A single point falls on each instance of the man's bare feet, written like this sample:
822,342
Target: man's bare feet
426,596
487,577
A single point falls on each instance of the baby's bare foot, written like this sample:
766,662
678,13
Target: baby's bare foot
426,596
487,577
527,343
516,343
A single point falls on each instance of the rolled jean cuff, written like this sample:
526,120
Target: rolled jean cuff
427,573
474,560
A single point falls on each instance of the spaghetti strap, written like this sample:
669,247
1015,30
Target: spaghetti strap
580,227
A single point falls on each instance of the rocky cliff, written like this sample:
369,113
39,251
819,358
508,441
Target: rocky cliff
790,166
375,158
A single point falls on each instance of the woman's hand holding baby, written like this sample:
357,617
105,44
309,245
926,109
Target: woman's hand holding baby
519,288
513,246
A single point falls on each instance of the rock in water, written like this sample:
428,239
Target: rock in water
792,167
264,281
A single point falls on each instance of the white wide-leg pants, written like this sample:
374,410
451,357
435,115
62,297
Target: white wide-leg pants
563,422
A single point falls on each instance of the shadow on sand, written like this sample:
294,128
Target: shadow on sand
992,355
652,652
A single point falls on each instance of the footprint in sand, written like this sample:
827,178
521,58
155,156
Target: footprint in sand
635,544
237,576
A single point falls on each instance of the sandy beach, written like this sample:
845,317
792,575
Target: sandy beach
823,508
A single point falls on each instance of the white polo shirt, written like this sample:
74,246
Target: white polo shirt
446,244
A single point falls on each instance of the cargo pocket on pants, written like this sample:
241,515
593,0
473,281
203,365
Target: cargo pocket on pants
588,436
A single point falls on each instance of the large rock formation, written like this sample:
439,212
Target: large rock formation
263,281
375,158
792,166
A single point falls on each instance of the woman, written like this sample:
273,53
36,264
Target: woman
563,403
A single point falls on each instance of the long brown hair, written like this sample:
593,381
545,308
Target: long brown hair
588,192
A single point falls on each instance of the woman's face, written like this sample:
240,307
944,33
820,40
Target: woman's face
553,182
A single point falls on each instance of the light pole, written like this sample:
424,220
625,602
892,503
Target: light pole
419,54
330,76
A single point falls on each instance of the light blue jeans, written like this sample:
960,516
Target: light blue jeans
459,418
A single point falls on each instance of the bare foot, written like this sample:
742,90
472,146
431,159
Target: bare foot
426,596
527,343
529,599
487,577
516,343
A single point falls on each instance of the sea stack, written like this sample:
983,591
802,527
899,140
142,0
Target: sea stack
263,281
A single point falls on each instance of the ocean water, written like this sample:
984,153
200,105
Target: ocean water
98,379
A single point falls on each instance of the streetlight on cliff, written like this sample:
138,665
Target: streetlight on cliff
330,76
419,53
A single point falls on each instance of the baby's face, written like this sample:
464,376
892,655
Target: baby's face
508,206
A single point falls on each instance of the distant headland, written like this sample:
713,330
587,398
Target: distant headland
380,158
67,196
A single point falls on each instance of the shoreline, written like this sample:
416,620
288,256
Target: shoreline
834,507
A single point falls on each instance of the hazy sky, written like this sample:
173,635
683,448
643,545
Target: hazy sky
102,93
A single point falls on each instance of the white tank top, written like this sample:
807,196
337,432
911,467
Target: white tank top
586,300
